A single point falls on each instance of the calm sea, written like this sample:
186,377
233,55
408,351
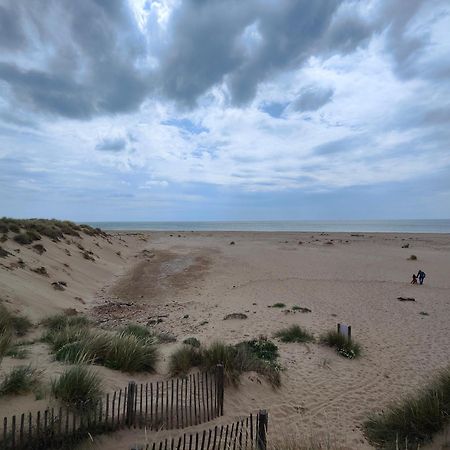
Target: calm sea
396,226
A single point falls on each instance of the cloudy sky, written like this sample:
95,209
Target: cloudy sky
225,109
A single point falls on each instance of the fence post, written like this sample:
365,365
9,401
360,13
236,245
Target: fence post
220,388
261,438
130,403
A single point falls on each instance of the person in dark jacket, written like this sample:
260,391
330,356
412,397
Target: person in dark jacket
421,276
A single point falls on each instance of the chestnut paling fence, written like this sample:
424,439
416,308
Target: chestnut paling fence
170,404
249,433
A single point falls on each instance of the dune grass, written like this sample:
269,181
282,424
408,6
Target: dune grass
236,360
18,352
294,333
78,387
192,341
6,331
21,325
131,350
20,380
278,305
348,348
414,419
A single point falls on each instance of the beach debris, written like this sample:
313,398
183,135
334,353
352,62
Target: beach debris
232,243
412,258
300,242
186,316
329,243
240,316
41,271
423,313
406,299
277,305
59,285
301,309
79,299
203,322
405,246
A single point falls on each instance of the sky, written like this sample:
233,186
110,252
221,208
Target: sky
225,109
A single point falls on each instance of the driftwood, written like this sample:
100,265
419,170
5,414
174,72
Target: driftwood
406,299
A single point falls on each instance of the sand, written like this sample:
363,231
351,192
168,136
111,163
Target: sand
192,280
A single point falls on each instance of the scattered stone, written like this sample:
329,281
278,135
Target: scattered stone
405,246
406,299
329,243
232,243
301,309
240,316
204,322
423,313
41,271
186,316
59,286
300,242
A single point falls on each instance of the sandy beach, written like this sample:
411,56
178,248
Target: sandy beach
185,283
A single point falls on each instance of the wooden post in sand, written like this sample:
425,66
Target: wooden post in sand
261,430
130,403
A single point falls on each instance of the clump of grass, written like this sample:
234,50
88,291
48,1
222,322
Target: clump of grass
294,333
166,338
236,359
27,237
138,331
183,359
20,380
192,341
414,419
6,331
78,387
262,348
344,346
17,352
133,350
21,325
278,305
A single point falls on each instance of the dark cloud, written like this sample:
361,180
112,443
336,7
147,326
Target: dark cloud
85,58
112,144
312,98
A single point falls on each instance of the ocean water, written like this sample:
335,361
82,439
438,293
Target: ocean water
382,226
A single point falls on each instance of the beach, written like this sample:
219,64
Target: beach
185,283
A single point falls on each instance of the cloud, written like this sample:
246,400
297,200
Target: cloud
312,98
111,144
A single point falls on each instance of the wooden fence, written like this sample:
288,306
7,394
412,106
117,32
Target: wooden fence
170,404
249,433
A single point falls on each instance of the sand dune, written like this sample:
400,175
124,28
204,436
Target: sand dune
186,285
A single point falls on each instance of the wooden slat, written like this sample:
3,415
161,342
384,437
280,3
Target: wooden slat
156,402
171,406
151,407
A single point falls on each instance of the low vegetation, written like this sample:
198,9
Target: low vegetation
294,333
415,419
6,331
30,230
20,380
192,341
131,350
21,325
78,387
278,305
413,258
236,360
348,348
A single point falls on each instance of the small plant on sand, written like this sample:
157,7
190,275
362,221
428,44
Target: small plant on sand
20,380
26,238
294,333
78,387
262,348
278,305
138,330
192,341
61,321
415,419
21,325
344,346
17,352
413,258
184,359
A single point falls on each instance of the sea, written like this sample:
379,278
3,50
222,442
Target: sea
373,226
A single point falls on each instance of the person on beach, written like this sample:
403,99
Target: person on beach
414,279
421,275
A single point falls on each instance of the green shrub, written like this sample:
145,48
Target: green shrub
294,333
262,348
78,387
278,305
4,228
344,346
26,238
20,380
62,321
4,238
415,419
192,341
14,228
